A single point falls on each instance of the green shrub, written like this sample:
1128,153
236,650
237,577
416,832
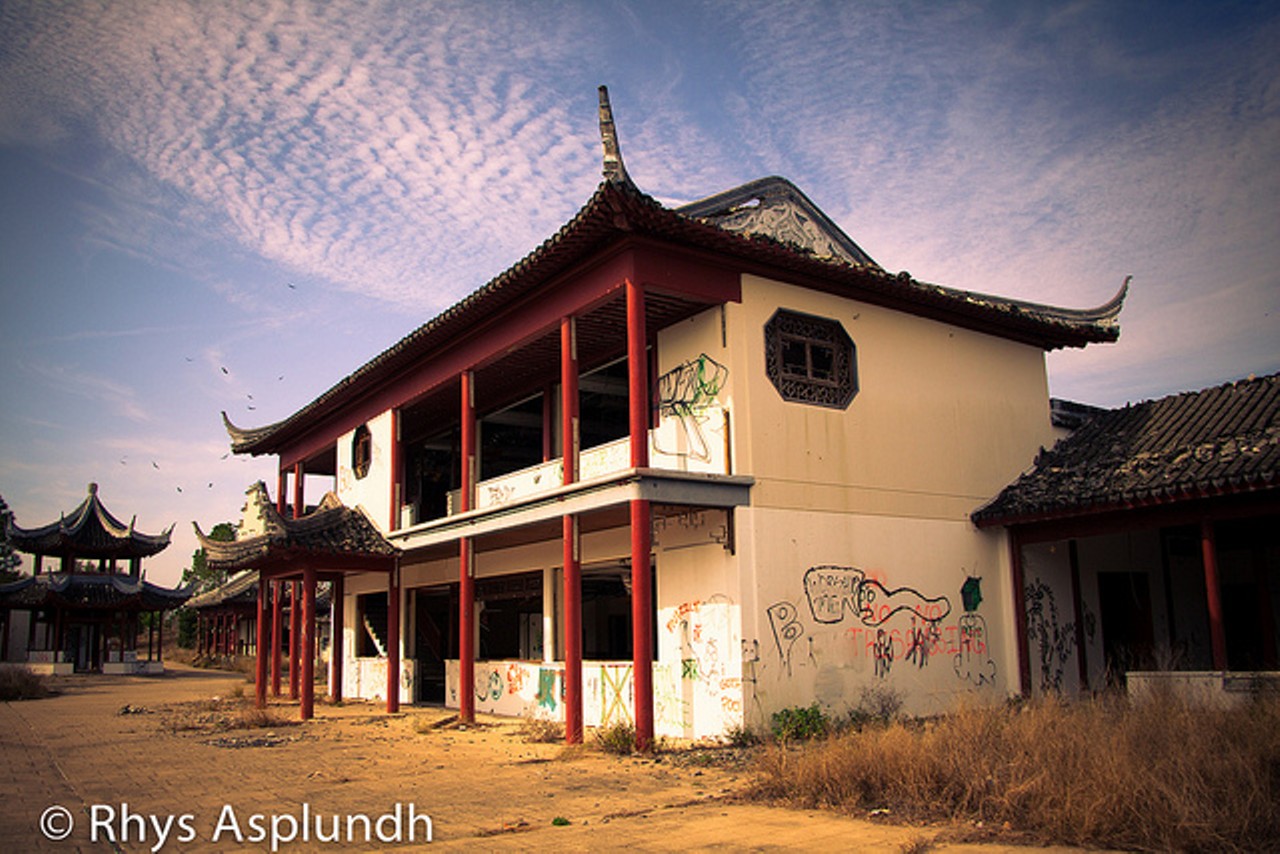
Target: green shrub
617,738
800,723
741,735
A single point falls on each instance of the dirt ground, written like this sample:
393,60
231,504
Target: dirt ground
115,758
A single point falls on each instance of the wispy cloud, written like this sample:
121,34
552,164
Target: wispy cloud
387,150
115,397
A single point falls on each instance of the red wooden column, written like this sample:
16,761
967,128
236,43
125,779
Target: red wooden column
299,498
1213,593
260,671
641,519
308,675
295,636
337,624
282,483
466,562
571,445
277,633
393,640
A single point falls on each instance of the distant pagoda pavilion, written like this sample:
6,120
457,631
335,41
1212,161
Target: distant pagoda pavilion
85,615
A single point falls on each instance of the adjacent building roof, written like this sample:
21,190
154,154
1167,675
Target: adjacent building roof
330,535
241,591
90,590
89,531
786,237
1220,441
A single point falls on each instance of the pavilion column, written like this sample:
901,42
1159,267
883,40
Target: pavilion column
299,496
571,446
1213,594
641,519
308,675
282,484
295,635
337,625
160,639
260,651
466,562
277,594
393,640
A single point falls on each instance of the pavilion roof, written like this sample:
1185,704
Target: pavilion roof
88,531
331,535
795,241
90,590
241,590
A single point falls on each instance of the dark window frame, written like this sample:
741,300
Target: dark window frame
361,452
811,359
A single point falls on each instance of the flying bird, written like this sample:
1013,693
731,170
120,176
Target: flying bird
179,488
225,371
154,464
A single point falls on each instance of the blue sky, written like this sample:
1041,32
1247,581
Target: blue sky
209,206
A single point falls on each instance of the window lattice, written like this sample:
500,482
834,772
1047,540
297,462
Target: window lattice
810,359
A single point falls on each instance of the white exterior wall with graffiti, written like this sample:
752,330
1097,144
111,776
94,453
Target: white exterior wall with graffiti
860,567
900,612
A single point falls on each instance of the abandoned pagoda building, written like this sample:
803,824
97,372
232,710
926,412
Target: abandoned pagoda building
85,612
682,468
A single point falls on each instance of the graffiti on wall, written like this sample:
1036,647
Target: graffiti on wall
615,695
1056,641
685,393
834,590
783,619
973,663
874,616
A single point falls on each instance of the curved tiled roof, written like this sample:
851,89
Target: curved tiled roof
331,530
90,590
618,211
89,531
1219,441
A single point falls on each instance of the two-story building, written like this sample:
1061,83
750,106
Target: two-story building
685,467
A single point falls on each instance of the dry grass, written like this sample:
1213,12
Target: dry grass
541,731
1159,776
220,715
18,682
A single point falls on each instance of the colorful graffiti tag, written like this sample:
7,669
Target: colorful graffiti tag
685,393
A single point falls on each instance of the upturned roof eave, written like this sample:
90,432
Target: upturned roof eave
616,212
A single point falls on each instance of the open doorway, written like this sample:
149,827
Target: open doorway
435,638
1128,640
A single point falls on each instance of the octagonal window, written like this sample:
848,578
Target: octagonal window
811,359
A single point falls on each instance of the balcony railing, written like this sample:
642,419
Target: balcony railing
694,442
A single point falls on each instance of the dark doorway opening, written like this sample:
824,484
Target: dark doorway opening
1128,640
435,638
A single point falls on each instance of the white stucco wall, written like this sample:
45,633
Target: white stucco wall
373,491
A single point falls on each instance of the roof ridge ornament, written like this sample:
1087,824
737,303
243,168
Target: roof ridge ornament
615,172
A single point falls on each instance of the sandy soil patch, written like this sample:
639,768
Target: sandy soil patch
188,746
